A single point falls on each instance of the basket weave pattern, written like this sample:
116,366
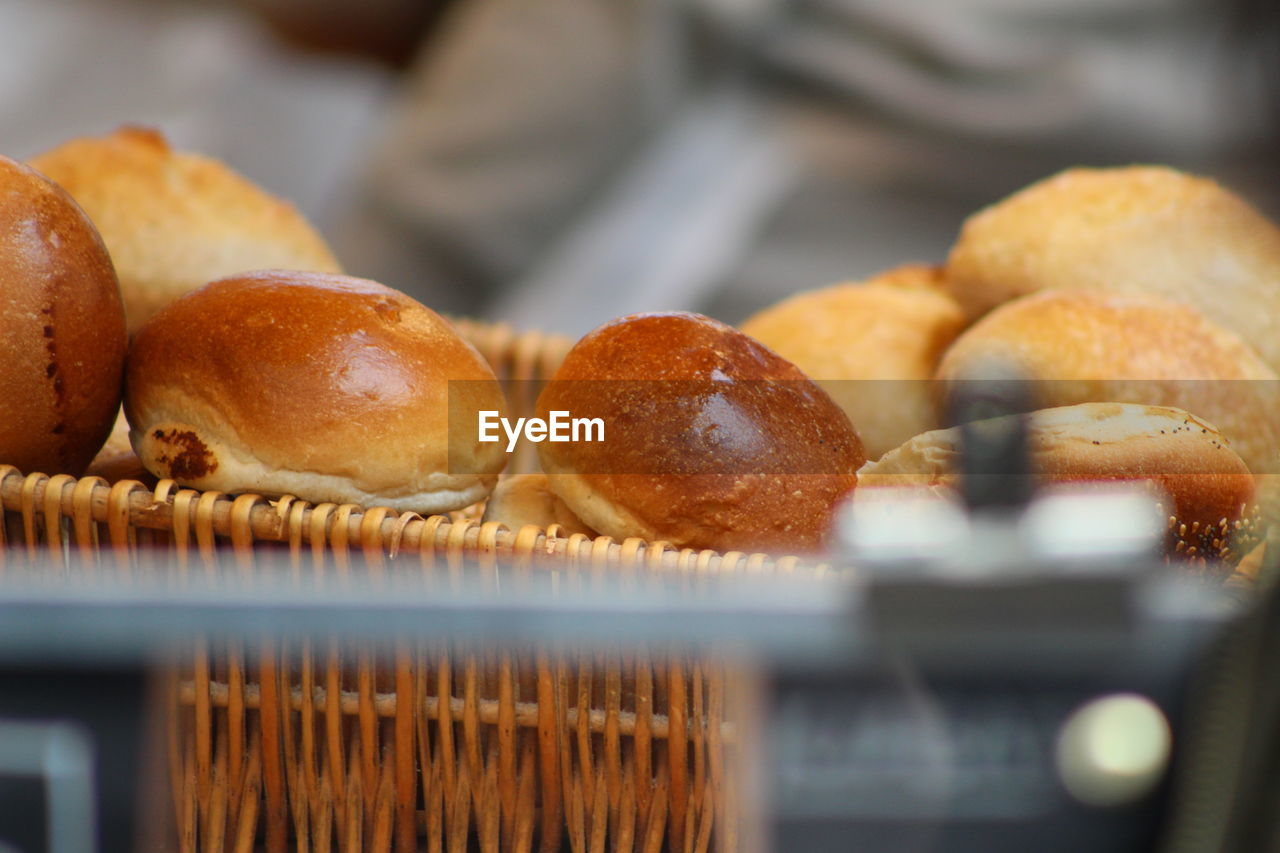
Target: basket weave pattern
313,746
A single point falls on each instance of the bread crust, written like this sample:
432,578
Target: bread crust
873,346
323,386
1137,229
62,334
174,220
714,441
1203,483
1129,348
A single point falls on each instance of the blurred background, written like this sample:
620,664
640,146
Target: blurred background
555,163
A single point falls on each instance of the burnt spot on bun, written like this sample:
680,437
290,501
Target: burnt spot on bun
184,455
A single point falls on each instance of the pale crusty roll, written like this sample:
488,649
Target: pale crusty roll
62,338
712,439
1208,491
523,499
173,220
325,387
1128,348
873,346
1140,229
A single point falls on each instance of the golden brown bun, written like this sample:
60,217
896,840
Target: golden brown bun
1141,229
712,440
322,386
173,221
892,327
524,499
62,338
1128,348
1208,490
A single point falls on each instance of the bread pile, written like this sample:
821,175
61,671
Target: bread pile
174,220
254,366
1092,345
1184,461
1142,288
872,345
1143,300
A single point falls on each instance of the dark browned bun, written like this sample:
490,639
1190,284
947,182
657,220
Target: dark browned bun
62,337
1204,485
712,439
319,385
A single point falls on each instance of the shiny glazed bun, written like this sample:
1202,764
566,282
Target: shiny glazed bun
524,499
1140,229
173,221
322,386
1208,491
62,337
1128,348
894,327
712,440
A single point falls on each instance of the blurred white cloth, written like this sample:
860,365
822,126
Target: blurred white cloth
553,161
1150,73
535,140
210,77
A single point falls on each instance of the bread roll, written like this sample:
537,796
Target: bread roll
321,386
872,346
62,338
1205,487
173,221
711,439
1104,347
1140,229
524,499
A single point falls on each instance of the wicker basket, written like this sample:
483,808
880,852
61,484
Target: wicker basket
294,746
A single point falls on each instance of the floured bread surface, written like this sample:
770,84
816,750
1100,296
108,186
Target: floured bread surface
1136,229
